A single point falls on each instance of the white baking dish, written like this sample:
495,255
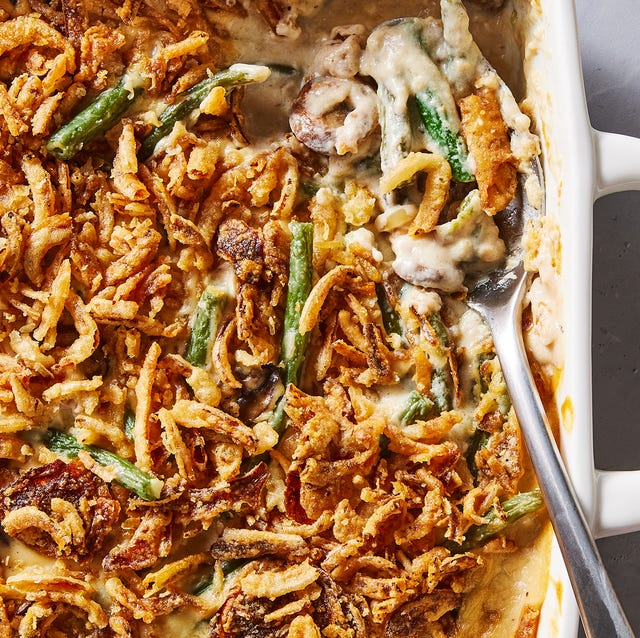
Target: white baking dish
581,164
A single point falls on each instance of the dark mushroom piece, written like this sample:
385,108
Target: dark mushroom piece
259,392
333,116
50,490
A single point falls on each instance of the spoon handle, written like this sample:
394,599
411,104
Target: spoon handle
600,610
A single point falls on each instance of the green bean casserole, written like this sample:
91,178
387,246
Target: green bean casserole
241,393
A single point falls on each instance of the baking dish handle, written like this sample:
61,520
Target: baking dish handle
617,163
618,511
617,160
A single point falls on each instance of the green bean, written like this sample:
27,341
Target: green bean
308,189
294,344
96,118
203,586
419,103
205,325
466,219
503,398
440,126
283,69
417,407
481,379
440,330
390,318
397,133
441,377
126,473
499,520
228,567
495,383
191,99
129,422
441,389
478,440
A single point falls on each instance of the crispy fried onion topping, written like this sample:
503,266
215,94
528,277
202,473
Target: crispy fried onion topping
52,602
342,522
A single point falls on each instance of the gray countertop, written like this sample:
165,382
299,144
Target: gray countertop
611,68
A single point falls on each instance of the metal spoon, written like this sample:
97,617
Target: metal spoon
497,296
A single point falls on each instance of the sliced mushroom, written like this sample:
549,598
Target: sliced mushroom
259,392
59,509
333,116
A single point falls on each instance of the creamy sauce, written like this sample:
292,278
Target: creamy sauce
472,334
391,400
366,239
443,258
544,339
17,556
293,55
424,302
397,58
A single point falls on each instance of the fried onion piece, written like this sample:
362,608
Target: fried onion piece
88,335
58,596
332,451
176,445
273,583
487,136
222,359
143,390
59,289
501,459
56,230
263,181
147,608
259,261
303,627
41,188
60,617
125,166
335,278
241,245
143,243
150,542
12,247
161,579
282,16
13,447
12,117
241,616
418,619
199,507
336,609
30,30
245,543
418,451
192,414
436,188
271,598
